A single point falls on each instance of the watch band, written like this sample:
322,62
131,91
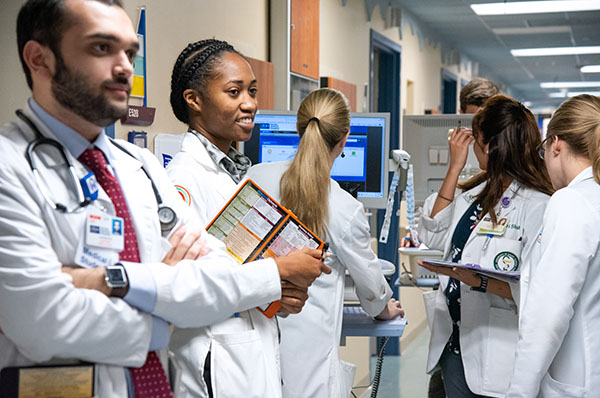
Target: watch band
119,292
483,286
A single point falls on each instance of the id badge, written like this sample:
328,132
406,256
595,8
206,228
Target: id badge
486,226
89,256
104,231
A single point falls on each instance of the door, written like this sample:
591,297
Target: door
449,87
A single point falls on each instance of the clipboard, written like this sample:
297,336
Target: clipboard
504,276
254,226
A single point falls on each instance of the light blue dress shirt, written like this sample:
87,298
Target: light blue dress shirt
142,289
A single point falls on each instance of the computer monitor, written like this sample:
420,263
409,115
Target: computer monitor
425,137
361,169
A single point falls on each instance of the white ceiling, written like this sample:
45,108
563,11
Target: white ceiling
489,39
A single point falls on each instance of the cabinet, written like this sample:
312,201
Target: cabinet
294,50
304,38
263,71
348,89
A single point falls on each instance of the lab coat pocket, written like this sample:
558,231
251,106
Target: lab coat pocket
238,366
347,372
429,298
502,254
503,335
551,388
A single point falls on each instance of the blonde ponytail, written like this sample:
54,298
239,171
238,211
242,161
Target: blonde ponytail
323,121
577,122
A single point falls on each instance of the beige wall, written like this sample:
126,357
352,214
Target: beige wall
12,80
344,52
170,27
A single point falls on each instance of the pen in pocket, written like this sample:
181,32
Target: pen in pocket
324,250
487,241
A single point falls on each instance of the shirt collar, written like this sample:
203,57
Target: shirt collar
69,138
233,163
583,175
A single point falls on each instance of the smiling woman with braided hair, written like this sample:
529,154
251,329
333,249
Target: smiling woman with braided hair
213,91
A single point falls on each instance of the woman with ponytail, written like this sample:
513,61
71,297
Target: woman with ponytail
558,354
309,341
494,223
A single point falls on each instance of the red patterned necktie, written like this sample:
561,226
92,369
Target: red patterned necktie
150,380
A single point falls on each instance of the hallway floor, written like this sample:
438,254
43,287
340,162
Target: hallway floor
404,376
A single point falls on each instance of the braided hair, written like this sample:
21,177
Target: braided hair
194,67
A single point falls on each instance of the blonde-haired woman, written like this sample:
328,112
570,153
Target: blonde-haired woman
309,341
558,354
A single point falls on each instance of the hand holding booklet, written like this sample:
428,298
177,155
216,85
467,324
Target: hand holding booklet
504,276
254,226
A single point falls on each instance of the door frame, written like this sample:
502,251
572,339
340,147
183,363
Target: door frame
389,250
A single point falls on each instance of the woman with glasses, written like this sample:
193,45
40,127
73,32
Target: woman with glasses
493,221
558,354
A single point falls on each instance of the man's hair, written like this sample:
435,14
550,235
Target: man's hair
476,92
44,21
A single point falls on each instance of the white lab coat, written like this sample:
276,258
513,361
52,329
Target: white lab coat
558,354
310,364
210,188
208,184
489,324
44,318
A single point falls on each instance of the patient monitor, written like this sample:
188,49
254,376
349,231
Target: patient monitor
361,168
425,137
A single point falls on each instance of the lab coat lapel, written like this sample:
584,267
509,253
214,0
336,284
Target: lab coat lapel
140,200
469,198
200,154
504,209
501,211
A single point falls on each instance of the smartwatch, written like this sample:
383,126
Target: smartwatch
483,286
116,280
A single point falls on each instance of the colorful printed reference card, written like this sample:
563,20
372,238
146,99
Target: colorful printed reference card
254,226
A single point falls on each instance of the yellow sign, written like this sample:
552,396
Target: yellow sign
137,89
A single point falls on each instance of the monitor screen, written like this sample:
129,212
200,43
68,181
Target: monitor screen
362,167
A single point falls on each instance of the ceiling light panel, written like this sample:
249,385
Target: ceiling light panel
569,84
538,30
590,69
535,7
547,51
565,94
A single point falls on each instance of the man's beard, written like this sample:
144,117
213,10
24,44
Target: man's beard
72,91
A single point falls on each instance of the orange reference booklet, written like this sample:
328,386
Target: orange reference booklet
254,226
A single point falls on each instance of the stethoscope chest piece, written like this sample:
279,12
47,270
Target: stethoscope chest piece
167,218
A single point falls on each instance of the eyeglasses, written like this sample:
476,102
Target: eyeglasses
541,148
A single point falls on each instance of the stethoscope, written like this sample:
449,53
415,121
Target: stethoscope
166,215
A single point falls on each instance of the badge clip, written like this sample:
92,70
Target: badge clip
89,185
